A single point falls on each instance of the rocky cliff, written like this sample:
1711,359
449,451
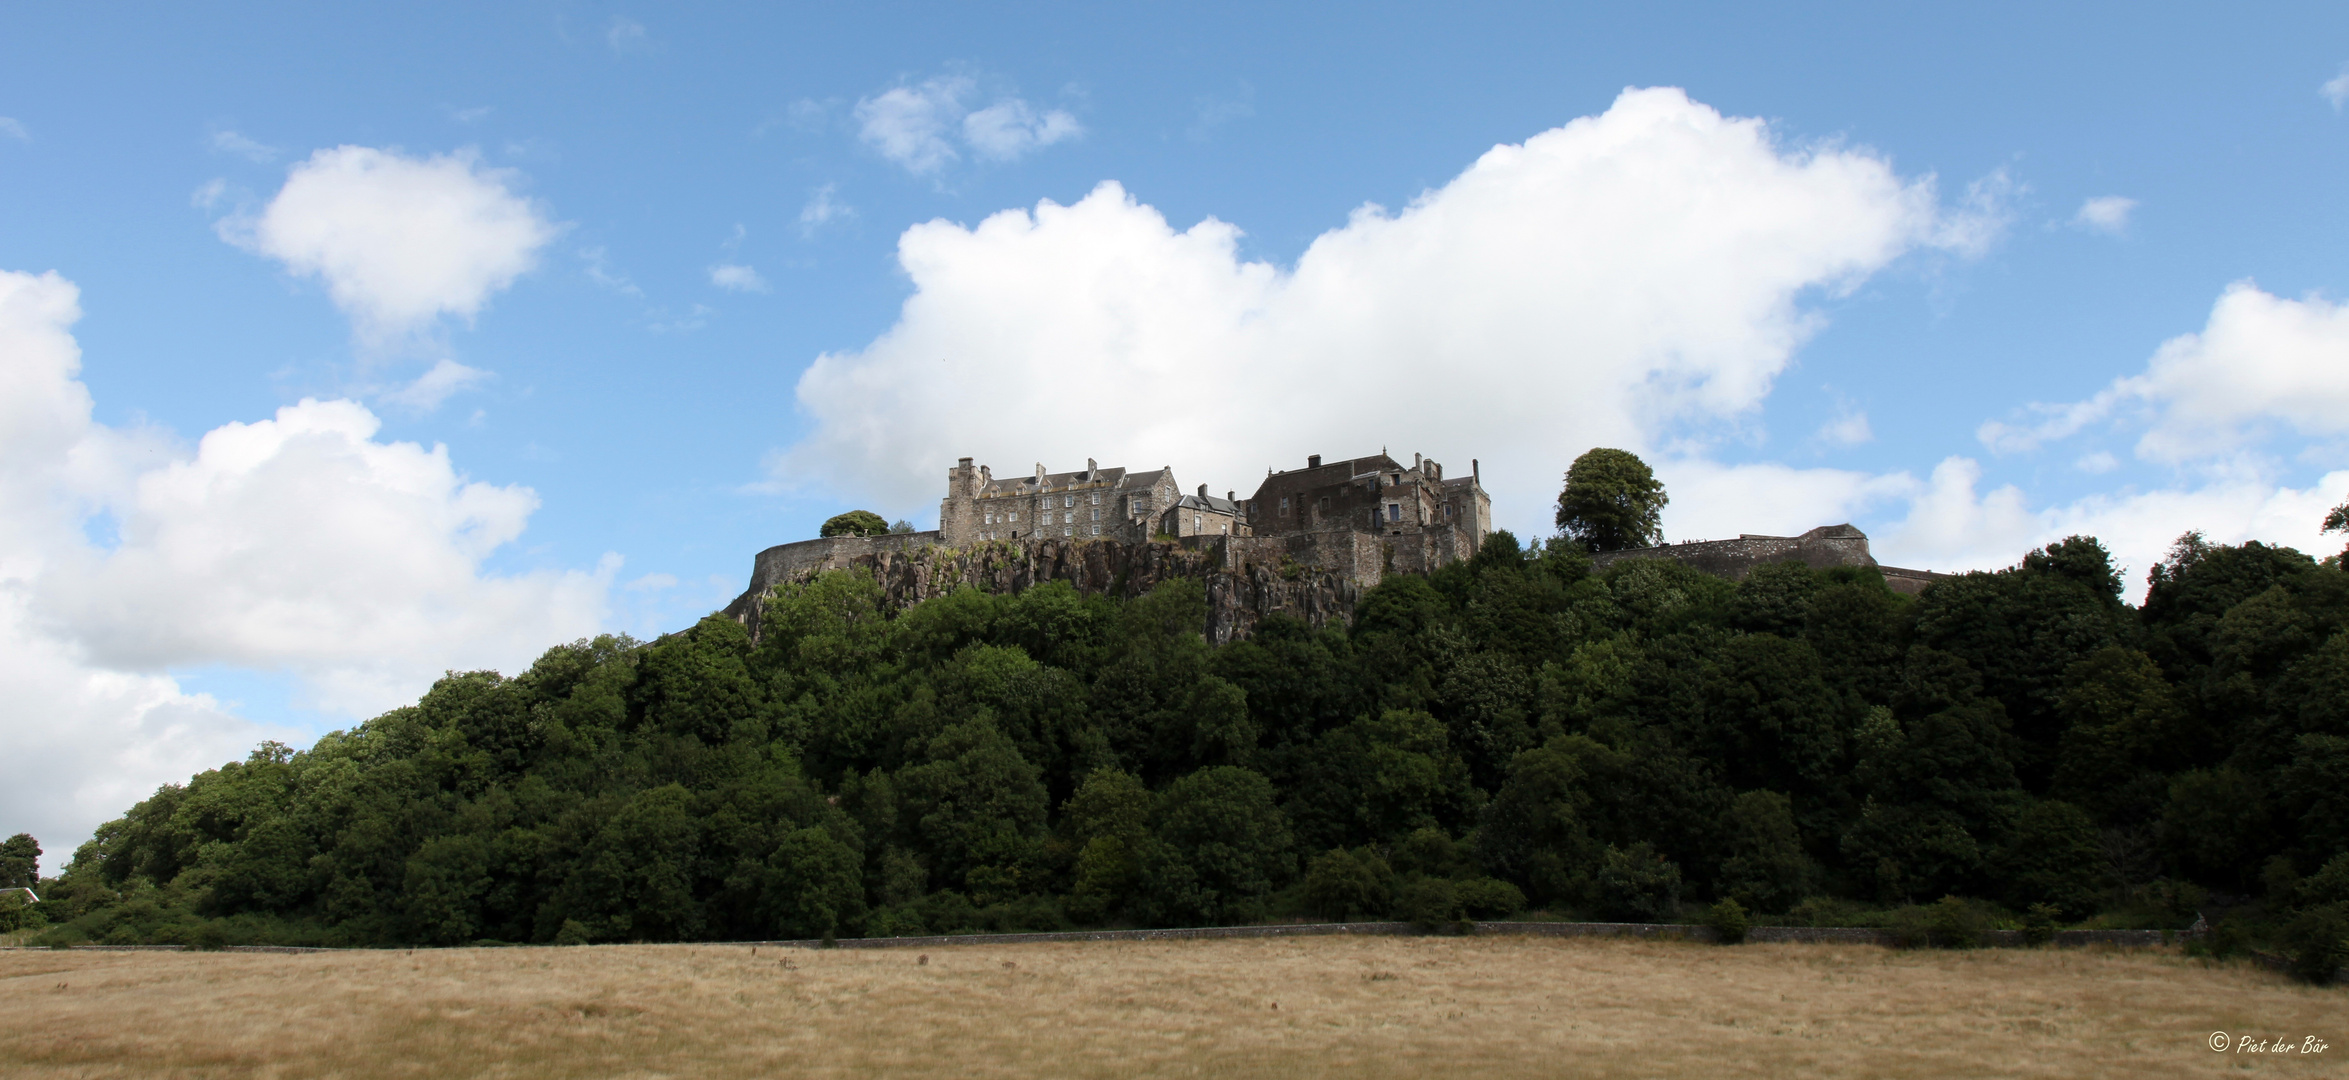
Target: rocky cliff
1246,578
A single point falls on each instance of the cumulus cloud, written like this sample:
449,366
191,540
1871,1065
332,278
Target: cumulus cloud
1952,525
2105,214
399,241
1629,279
734,277
2260,362
918,125
300,544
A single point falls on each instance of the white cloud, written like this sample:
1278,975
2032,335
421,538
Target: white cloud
737,278
14,129
299,544
822,209
1009,129
2261,361
916,125
910,124
399,241
1627,280
2336,89
446,377
2105,214
1848,429
230,142
599,270
1952,527
209,195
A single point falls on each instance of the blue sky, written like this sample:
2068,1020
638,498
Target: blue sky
554,280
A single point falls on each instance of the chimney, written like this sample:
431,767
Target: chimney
1313,461
1415,459
964,462
1232,497
1476,470
1039,474
1202,491
1091,467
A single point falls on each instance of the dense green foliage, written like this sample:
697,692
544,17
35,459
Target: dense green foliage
1514,733
1611,501
855,523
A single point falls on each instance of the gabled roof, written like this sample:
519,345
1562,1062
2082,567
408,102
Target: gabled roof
1115,479
1209,503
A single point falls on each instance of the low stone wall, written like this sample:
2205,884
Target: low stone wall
1821,548
1841,935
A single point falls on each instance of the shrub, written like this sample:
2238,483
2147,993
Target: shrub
1341,885
1433,903
2039,923
2316,943
1637,884
1727,918
1949,923
1488,898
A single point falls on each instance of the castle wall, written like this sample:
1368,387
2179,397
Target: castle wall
1821,548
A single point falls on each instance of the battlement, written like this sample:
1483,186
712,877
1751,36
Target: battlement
1821,548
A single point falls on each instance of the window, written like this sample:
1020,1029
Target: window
1394,511
1196,524
1068,532
1096,498
1096,530
1284,506
1068,519
1013,516
1068,500
1096,517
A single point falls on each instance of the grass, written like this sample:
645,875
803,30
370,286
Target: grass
1311,1007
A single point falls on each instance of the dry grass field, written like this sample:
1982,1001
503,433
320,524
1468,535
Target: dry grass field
1301,1007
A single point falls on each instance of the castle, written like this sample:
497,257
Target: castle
1372,496
1306,544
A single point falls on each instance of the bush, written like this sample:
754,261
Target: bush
1342,885
1432,903
1949,923
1727,918
1487,898
1636,884
2039,923
2316,943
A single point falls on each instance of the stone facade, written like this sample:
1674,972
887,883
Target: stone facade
1093,504
1203,515
1821,548
1433,519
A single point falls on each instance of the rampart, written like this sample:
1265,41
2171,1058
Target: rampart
1821,548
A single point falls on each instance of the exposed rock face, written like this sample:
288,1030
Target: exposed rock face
1246,578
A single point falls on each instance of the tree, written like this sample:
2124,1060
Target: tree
1611,501
20,862
856,523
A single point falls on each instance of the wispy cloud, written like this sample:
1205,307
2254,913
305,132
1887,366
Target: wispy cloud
2336,89
599,270
734,277
15,129
230,142
822,209
435,386
925,126
1214,112
2106,214
469,116
625,35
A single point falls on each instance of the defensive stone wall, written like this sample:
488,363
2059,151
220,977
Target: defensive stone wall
1821,548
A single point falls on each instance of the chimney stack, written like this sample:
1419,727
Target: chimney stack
1313,461
1202,491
